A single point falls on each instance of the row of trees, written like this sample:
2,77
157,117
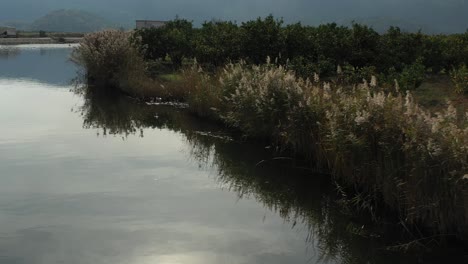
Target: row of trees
307,49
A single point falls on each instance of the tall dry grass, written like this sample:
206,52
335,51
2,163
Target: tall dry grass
112,61
396,156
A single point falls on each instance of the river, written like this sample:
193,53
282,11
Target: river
113,180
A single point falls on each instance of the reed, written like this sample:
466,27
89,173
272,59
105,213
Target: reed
379,144
112,61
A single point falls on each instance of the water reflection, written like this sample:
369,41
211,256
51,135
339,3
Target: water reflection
114,114
43,63
305,200
7,52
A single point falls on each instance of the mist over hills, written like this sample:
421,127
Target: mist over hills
70,21
434,16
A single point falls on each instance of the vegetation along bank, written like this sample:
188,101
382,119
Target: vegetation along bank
344,99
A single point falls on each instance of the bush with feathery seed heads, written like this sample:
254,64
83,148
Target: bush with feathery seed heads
110,59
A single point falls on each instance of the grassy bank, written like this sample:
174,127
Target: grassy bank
388,155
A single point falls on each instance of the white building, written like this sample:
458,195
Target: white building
140,24
6,32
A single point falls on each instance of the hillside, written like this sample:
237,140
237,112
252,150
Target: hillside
70,21
20,25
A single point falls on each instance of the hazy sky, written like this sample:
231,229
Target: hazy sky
451,14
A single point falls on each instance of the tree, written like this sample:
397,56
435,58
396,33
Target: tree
363,44
173,39
299,42
177,39
262,38
150,42
332,47
217,43
399,49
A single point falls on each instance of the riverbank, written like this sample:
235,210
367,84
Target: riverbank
23,41
389,156
123,116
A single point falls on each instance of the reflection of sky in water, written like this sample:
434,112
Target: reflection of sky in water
68,196
47,63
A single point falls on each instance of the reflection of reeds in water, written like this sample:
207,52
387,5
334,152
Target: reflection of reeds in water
123,116
7,52
117,114
301,199
306,200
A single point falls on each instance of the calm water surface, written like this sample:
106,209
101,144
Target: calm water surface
99,180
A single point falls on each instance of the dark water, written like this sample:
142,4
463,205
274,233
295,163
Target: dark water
93,179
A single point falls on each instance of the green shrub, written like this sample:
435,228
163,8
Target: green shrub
460,78
412,75
262,38
298,42
325,67
174,39
303,67
399,49
323,47
364,45
352,75
217,43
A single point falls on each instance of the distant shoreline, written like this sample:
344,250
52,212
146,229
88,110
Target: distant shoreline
21,41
